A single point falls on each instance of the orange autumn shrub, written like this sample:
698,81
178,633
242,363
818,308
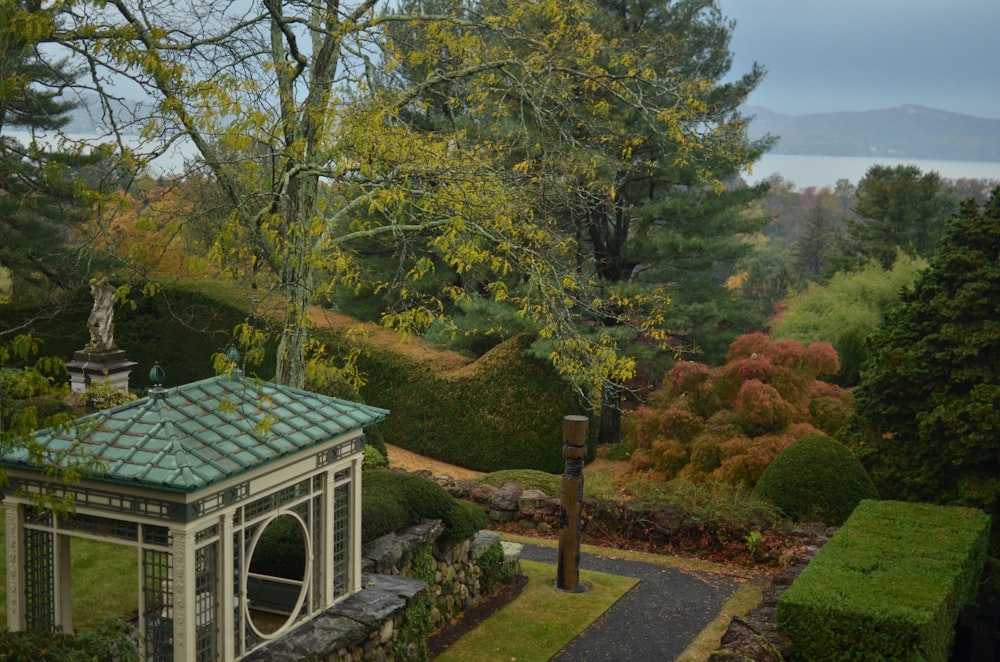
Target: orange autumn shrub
729,422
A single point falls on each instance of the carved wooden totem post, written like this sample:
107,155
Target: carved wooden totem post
570,525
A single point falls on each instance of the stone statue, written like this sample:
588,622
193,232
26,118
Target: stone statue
102,328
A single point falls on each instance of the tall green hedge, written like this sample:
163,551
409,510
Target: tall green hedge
505,411
889,585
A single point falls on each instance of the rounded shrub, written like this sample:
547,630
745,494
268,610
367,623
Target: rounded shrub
816,478
392,501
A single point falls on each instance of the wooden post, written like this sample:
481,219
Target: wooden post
570,524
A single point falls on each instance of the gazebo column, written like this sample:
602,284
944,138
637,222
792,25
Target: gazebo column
183,572
15,564
227,569
62,571
326,588
354,539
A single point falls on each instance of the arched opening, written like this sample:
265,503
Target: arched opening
278,576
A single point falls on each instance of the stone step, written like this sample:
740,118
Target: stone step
511,551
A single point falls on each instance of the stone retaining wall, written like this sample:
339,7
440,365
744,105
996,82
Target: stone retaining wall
372,624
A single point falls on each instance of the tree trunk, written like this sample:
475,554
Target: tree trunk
610,428
290,368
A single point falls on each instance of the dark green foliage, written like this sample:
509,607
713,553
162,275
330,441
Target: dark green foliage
381,513
494,570
888,586
392,501
503,412
281,550
928,403
463,520
900,208
411,642
182,327
40,189
816,479
111,642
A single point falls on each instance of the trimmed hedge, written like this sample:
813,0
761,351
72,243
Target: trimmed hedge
889,585
505,411
392,501
816,479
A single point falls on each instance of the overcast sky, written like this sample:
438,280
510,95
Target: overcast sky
833,55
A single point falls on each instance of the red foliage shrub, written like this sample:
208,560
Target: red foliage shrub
647,426
728,422
757,367
680,424
743,460
668,457
762,408
747,345
830,414
822,359
788,354
705,457
686,376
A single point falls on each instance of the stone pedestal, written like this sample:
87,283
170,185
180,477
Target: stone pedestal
88,368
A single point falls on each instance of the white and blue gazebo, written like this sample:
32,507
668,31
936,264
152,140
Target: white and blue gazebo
191,477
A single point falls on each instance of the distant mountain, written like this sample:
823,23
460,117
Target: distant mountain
904,132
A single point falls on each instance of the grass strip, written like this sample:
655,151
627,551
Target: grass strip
541,621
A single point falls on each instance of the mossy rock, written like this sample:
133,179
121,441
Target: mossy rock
816,479
527,479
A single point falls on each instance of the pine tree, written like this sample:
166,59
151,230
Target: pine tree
39,192
928,404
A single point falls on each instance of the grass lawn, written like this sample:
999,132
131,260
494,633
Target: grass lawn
545,619
105,581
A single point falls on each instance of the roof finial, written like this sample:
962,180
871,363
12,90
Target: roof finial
233,357
156,375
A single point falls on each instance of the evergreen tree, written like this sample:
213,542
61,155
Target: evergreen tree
900,208
39,185
810,250
928,404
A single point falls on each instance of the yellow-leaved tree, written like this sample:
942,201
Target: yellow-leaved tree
287,106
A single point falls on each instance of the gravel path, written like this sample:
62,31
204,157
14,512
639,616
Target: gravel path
655,621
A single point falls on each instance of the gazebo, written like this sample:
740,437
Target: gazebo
192,477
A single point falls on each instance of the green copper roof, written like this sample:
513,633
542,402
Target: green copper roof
189,437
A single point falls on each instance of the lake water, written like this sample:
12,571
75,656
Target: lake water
804,171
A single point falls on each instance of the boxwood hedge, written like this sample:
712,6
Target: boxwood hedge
889,585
